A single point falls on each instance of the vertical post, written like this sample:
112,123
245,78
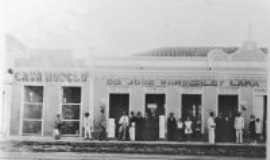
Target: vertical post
268,110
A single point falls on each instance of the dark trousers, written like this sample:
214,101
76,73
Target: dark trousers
171,134
102,134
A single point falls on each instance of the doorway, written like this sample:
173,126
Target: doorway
228,105
227,108
191,108
264,116
154,107
118,103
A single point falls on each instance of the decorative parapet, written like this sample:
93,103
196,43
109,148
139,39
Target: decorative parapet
218,55
249,52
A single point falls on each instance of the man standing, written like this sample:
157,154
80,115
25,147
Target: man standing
139,127
102,125
218,128
211,128
124,122
171,126
252,133
239,126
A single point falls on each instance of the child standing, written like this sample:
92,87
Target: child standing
87,126
132,131
188,128
180,129
57,127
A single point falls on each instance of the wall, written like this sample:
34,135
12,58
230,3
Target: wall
173,102
136,100
52,105
15,110
209,104
100,94
52,102
246,99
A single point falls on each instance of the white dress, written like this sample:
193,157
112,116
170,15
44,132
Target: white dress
132,131
188,127
258,127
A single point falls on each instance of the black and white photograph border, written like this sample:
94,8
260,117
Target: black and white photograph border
129,79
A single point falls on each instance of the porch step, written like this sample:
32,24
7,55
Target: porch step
144,147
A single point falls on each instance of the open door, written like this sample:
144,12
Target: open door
118,104
154,107
191,107
227,107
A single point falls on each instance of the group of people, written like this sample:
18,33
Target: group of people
134,127
223,128
147,128
87,126
226,128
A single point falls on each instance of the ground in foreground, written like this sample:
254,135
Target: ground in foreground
106,156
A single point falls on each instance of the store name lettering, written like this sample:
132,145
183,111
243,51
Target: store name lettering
37,76
183,83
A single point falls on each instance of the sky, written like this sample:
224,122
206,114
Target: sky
126,27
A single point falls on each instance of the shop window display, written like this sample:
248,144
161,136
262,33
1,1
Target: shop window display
32,110
71,108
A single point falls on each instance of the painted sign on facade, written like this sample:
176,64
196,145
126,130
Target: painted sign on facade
38,76
184,83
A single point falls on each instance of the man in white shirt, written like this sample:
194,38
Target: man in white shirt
239,125
124,123
211,125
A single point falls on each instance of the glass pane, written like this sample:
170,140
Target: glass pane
33,111
71,112
33,94
32,127
71,95
70,127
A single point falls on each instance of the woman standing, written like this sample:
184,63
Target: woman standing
180,129
188,128
132,128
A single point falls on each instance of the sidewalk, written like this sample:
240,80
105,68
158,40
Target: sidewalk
78,144
108,156
82,140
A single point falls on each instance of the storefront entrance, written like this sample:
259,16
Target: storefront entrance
154,107
118,104
191,108
227,110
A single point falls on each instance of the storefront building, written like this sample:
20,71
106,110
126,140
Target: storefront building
190,82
